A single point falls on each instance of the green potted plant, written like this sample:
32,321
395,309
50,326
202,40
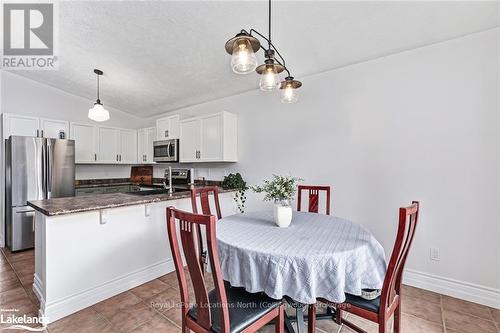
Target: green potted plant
280,189
234,181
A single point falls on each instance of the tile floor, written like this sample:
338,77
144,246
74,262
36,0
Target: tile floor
150,307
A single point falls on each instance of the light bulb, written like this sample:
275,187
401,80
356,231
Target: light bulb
98,113
269,80
289,94
243,60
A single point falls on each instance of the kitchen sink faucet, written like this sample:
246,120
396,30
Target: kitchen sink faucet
168,178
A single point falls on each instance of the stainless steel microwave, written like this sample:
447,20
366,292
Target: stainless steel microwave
166,150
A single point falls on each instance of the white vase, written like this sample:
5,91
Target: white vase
282,213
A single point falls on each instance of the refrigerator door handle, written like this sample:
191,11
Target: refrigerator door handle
49,169
44,171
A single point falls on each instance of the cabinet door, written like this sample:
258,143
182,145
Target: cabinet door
211,138
168,127
151,134
20,125
162,128
190,140
128,146
85,137
108,145
142,143
174,129
51,128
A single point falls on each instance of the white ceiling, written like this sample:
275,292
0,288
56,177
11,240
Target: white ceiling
161,56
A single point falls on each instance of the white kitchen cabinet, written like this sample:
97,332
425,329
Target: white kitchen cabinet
108,145
145,139
52,128
86,145
20,125
149,149
142,139
190,131
127,153
167,128
33,126
212,138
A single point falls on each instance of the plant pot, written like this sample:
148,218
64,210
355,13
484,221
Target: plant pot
282,213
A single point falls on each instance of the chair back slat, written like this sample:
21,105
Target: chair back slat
408,219
187,225
313,191
204,195
189,243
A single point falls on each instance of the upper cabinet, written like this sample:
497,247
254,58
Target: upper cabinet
167,128
86,145
108,145
32,126
145,139
212,138
127,146
104,144
54,129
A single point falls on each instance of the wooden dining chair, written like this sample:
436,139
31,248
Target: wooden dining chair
380,309
204,194
224,309
313,197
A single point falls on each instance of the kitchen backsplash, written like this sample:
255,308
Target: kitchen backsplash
215,171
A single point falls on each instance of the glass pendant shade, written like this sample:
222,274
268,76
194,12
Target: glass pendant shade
269,80
98,113
289,94
243,59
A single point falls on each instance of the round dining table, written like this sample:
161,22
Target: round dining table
316,256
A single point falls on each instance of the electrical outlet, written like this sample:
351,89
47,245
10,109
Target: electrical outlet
434,254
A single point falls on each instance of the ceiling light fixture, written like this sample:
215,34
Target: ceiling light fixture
242,49
98,112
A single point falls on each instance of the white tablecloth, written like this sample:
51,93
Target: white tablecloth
316,256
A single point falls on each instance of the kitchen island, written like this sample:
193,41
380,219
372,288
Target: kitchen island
90,248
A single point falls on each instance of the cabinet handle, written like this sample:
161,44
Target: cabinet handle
37,133
166,133
120,157
42,133
95,156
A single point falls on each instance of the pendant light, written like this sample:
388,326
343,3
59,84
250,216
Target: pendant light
289,90
98,112
242,49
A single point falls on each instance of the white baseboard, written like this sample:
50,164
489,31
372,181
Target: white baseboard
455,288
63,307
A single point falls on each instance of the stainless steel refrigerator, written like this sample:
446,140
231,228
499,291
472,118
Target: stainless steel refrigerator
35,169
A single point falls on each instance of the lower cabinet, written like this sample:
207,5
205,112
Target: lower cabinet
88,191
105,190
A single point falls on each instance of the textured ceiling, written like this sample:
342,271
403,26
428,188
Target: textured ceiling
160,56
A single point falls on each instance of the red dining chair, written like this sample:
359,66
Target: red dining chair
313,197
203,193
224,309
380,309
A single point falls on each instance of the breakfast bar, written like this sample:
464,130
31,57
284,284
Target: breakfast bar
90,248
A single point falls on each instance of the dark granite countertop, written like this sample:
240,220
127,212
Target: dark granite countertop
71,205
